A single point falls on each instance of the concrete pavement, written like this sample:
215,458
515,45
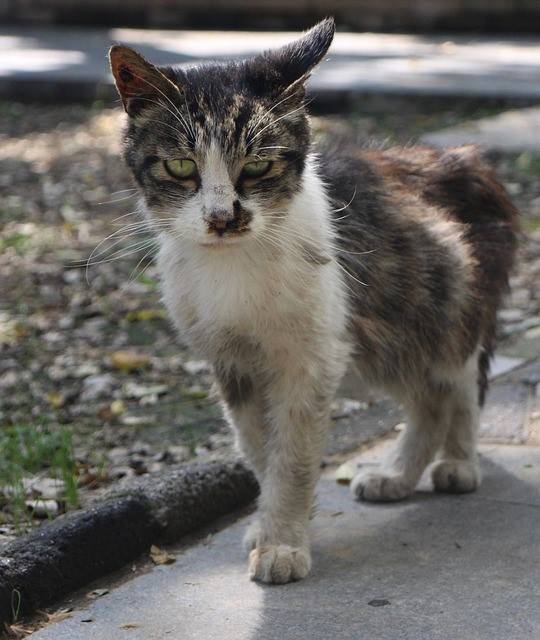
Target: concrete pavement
433,567
70,63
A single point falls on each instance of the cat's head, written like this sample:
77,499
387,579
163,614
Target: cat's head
219,149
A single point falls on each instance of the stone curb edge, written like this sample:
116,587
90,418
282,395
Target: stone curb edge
72,551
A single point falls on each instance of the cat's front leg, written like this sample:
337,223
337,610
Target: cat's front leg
297,420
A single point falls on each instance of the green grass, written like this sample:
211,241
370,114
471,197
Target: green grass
27,450
16,241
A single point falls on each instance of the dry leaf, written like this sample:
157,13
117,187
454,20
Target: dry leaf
56,400
56,616
345,473
144,315
130,625
159,556
129,360
16,632
118,407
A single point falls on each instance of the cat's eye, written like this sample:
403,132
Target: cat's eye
256,169
181,168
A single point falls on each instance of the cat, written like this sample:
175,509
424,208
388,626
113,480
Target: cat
281,261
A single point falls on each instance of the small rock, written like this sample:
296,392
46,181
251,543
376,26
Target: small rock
138,464
135,421
8,380
134,390
48,488
149,399
118,454
85,370
511,315
196,367
43,508
53,337
66,322
121,472
72,276
140,448
97,386
179,452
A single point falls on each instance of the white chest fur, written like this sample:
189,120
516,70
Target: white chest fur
269,293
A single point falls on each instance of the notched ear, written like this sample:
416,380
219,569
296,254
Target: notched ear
137,80
287,68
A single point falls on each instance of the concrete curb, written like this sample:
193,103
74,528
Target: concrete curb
70,552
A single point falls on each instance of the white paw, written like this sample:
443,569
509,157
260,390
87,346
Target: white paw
251,536
455,476
278,564
377,487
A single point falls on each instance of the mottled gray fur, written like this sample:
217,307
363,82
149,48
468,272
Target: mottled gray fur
397,258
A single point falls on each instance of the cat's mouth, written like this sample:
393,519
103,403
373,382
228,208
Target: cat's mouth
227,239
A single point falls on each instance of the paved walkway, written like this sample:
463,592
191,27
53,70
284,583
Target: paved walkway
511,131
52,62
435,567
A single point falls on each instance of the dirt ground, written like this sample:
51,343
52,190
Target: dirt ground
84,343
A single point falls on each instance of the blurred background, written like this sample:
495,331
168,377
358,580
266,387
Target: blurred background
94,386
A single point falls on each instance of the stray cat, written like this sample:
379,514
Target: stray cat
280,261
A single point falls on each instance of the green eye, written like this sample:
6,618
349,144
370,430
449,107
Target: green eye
256,169
180,168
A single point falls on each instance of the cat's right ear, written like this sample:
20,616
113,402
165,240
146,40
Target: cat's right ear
286,69
138,81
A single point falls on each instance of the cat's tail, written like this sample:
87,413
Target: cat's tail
469,186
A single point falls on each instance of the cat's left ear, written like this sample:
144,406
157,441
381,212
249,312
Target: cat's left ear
288,68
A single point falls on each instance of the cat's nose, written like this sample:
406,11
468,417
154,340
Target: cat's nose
221,220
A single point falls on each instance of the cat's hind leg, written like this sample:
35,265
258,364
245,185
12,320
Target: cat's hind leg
457,470
416,447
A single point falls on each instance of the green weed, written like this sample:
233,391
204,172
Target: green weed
30,449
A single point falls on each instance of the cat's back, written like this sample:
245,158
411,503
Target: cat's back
427,238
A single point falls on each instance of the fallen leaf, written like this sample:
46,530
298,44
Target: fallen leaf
345,473
128,361
16,631
159,556
130,625
118,407
56,616
56,400
144,315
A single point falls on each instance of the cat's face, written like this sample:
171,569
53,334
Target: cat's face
219,150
